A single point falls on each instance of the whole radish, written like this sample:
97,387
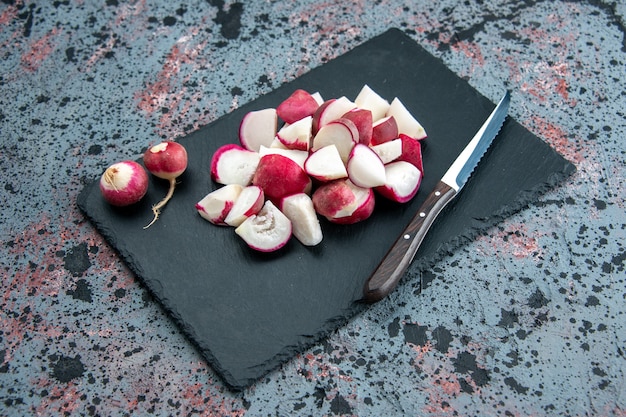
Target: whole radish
124,183
167,160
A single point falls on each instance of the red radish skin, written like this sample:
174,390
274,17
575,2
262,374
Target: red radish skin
124,183
363,121
298,105
363,211
384,130
233,164
412,152
216,205
167,160
266,231
342,202
299,157
280,176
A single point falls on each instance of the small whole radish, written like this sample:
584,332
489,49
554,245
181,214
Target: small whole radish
124,183
167,160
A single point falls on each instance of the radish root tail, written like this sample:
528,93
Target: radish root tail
156,209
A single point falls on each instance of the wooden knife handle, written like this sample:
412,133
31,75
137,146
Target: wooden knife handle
396,261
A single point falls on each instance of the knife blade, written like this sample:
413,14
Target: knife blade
392,267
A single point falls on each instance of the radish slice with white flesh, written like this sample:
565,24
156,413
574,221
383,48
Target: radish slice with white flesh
342,133
297,106
280,176
365,168
384,130
372,101
232,164
296,135
305,225
299,157
363,121
258,128
266,231
216,205
276,144
249,202
407,124
325,164
403,181
331,110
343,202
318,98
388,151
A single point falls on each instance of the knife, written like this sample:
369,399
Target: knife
401,254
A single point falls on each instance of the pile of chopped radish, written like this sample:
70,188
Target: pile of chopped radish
330,158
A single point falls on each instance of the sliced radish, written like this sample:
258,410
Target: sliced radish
306,226
258,128
341,132
296,135
299,157
412,152
363,121
370,100
216,205
266,231
384,130
365,168
343,202
407,124
279,176
318,98
298,105
403,181
249,202
331,110
388,151
276,144
232,164
325,164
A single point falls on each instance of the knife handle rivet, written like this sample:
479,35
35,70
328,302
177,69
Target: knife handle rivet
422,214
407,236
437,193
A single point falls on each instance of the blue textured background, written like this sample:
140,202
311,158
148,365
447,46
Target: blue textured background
527,320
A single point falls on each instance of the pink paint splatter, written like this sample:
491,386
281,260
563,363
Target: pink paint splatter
515,240
129,10
472,51
558,139
63,399
9,13
39,51
168,90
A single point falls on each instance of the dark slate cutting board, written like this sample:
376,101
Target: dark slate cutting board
248,312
